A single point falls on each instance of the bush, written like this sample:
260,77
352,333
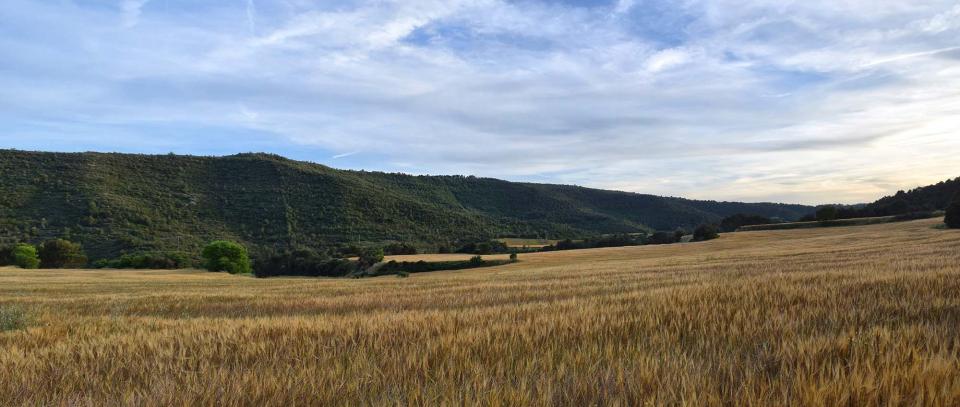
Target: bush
59,253
513,257
952,218
827,213
394,267
25,256
488,247
370,256
149,260
223,255
663,238
734,222
6,256
396,249
705,232
302,262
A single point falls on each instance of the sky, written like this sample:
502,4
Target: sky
815,101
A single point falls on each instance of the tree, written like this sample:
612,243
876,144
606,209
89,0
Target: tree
663,238
6,256
953,214
734,222
25,256
222,255
705,232
826,213
59,253
370,256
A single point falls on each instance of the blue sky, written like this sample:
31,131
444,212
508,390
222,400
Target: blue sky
795,101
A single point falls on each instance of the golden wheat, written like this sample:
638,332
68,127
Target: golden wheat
823,317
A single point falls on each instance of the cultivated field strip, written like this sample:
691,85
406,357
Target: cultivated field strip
823,317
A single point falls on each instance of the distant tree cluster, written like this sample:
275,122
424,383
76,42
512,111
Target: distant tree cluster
733,222
303,262
56,253
705,232
223,255
952,218
148,260
21,255
485,247
399,249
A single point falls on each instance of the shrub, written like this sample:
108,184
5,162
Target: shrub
395,249
513,257
394,267
302,262
149,260
663,238
705,232
25,256
827,213
370,256
60,253
6,256
488,247
952,218
734,222
12,318
223,255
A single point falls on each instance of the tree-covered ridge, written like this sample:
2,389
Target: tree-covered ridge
124,203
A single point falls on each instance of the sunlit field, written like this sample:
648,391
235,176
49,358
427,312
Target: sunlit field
841,316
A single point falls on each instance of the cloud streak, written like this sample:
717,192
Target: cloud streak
761,100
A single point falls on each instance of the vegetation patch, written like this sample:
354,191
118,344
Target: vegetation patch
13,318
410,267
844,222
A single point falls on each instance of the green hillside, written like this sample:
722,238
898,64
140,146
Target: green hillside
117,203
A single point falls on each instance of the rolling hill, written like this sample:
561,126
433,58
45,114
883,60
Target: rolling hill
120,203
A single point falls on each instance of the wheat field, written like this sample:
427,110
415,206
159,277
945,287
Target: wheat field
821,317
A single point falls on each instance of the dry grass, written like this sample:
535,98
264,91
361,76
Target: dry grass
822,317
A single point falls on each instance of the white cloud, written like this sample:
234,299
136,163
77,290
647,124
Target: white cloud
815,101
131,10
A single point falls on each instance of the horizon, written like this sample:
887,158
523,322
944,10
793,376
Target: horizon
807,103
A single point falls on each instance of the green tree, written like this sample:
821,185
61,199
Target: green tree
25,256
953,214
222,255
705,232
370,256
60,253
826,213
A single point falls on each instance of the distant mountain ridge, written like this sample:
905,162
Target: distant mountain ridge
121,203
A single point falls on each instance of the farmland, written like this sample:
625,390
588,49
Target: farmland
848,315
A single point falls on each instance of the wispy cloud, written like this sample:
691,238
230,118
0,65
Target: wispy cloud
131,10
252,17
762,100
344,155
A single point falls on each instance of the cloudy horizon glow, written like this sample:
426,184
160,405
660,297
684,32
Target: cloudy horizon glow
790,101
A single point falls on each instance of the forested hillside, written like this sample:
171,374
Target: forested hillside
122,203
929,198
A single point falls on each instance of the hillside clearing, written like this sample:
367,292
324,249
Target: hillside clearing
848,315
